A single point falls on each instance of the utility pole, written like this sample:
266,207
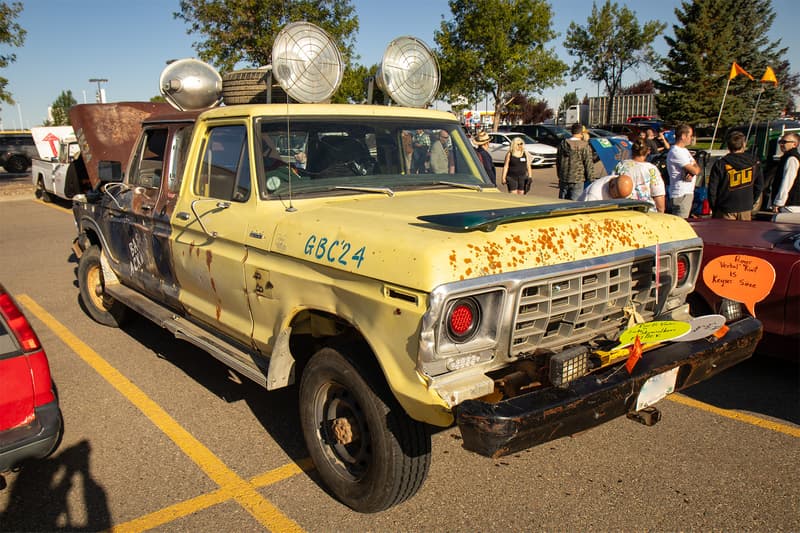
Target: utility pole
100,97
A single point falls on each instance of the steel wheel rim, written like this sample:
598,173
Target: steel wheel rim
94,286
334,402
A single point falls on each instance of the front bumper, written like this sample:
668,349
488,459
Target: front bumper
497,429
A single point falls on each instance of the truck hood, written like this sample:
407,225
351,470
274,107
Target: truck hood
421,240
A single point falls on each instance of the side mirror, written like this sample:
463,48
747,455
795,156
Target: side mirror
109,171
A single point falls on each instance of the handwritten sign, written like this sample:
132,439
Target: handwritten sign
742,278
703,326
652,332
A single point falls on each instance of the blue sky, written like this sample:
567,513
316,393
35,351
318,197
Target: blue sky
128,42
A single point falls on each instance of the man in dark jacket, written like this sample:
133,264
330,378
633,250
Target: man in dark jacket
574,164
735,181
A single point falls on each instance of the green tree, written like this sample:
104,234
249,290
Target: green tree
709,37
11,34
59,109
497,48
611,43
243,31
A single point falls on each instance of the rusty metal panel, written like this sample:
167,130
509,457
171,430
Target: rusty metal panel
108,132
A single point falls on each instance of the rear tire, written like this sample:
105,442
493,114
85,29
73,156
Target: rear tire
366,449
100,306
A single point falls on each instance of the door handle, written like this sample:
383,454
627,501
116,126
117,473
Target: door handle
146,207
183,215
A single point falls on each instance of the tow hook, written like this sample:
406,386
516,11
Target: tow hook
647,416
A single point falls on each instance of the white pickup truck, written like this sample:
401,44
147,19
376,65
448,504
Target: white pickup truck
52,175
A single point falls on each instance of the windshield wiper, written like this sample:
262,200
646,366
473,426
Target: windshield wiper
460,185
380,190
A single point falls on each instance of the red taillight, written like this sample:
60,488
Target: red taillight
37,379
18,323
42,381
683,269
463,319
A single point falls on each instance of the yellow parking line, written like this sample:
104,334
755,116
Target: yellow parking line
230,483
204,501
735,415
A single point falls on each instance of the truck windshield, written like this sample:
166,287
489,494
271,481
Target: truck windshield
328,156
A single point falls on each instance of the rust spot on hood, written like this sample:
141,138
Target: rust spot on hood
574,239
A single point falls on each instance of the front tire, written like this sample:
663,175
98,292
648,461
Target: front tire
367,451
41,192
100,306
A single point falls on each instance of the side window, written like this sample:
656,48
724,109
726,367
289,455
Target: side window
224,171
149,161
180,151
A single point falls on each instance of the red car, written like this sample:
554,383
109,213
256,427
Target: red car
776,242
30,418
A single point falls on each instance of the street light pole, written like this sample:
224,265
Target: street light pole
100,97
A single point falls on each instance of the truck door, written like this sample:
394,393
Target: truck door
144,178
210,223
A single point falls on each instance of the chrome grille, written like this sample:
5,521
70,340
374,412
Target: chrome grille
560,311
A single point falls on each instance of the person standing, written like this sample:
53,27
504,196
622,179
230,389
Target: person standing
683,170
421,145
574,164
735,181
647,182
657,144
481,141
788,195
517,167
442,156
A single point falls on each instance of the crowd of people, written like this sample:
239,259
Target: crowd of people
734,184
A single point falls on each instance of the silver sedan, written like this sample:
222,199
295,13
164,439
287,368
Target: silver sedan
543,155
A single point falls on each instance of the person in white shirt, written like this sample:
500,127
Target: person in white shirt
609,187
683,171
788,196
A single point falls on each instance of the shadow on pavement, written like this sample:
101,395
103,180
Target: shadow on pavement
762,385
39,495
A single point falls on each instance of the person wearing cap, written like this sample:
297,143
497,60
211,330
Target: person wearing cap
608,188
481,140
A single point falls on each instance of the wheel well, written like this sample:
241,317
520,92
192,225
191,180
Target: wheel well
313,330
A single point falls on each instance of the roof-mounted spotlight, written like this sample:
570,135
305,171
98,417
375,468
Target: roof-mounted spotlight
409,73
190,85
306,62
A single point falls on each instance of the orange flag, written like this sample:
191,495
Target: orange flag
769,77
736,69
635,355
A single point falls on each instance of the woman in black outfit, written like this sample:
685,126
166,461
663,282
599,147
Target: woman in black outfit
517,168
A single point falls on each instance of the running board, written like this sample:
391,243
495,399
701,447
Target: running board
249,364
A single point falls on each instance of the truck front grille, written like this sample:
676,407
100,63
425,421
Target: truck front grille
561,311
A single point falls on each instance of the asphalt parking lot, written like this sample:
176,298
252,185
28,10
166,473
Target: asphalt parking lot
160,436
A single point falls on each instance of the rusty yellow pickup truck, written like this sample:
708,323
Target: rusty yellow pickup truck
302,243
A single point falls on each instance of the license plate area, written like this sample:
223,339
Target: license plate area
657,388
